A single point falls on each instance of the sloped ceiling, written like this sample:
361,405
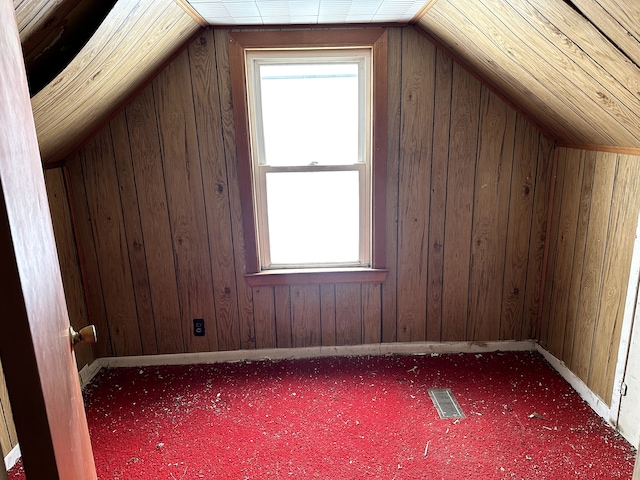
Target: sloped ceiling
571,66
130,45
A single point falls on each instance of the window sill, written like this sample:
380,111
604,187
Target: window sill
315,276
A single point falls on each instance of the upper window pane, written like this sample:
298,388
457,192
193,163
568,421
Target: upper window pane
291,135
310,111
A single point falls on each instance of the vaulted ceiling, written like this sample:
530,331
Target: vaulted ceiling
571,66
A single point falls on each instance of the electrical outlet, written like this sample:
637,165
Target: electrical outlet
198,327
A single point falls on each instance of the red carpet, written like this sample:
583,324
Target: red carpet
348,418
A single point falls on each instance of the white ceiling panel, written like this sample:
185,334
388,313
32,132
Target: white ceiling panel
277,12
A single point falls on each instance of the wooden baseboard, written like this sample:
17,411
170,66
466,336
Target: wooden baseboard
87,373
594,401
12,457
417,348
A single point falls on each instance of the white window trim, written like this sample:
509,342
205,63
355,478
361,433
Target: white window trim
256,57
239,41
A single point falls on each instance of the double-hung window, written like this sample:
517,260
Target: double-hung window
308,154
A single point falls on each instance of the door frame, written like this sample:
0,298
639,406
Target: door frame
630,318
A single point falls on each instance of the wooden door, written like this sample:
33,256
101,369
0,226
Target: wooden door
35,348
629,416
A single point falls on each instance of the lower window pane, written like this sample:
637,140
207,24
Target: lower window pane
313,217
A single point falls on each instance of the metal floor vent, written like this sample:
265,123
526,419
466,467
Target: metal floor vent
445,403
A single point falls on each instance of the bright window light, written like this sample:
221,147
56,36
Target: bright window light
310,114
310,118
313,217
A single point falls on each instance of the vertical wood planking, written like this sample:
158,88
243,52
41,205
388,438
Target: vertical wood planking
545,154
591,285
438,201
394,98
445,20
305,316
265,314
181,178
490,216
552,250
328,314
245,299
103,199
8,412
619,249
348,314
552,242
154,220
589,261
135,240
414,173
216,190
88,257
463,136
565,246
589,159
283,317
8,437
183,181
371,313
5,441
68,257
519,229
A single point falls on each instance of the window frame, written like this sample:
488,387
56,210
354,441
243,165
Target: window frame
374,38
255,59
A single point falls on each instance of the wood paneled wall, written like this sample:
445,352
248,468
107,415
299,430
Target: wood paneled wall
8,435
68,255
595,214
155,196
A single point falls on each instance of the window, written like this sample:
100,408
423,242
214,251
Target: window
310,113
311,156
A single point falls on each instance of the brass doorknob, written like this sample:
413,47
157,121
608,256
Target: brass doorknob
87,334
